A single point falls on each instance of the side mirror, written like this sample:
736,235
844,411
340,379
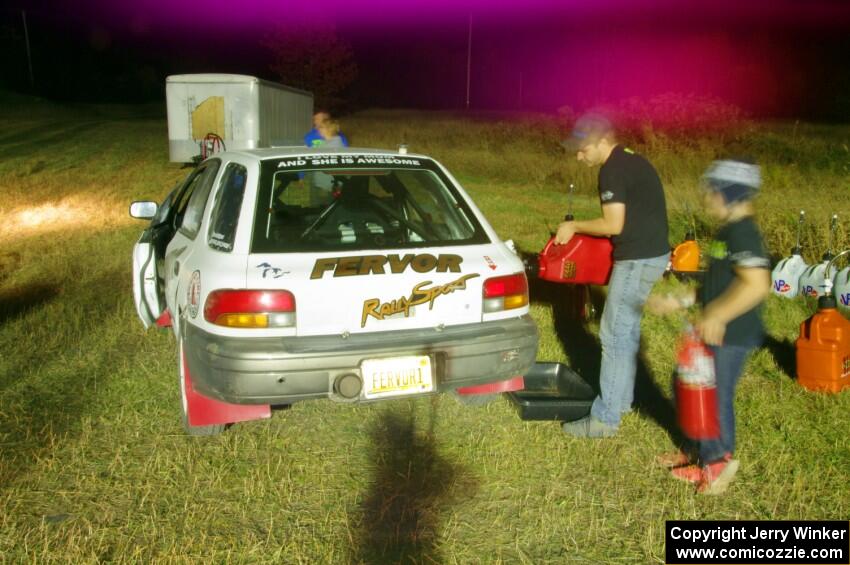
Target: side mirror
143,210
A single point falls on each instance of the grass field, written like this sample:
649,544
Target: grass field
94,465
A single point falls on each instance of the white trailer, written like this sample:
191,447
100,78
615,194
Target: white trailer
244,111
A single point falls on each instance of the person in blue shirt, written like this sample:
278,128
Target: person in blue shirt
314,137
331,136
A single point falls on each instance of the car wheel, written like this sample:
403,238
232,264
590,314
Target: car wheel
212,430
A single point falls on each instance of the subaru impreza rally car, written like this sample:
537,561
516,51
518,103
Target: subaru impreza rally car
357,275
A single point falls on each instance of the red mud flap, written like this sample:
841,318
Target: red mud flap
205,411
510,385
164,320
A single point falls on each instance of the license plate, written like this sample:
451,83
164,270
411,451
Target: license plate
396,376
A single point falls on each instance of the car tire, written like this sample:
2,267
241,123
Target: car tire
212,430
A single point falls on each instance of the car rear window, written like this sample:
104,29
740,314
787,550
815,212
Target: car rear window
354,202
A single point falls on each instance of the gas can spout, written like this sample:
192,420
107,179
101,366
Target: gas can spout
833,225
827,278
569,215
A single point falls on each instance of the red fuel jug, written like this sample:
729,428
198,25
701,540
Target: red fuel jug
696,389
823,349
582,260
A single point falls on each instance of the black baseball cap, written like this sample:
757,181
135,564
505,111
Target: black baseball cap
588,128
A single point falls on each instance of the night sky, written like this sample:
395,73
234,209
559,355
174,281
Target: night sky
777,58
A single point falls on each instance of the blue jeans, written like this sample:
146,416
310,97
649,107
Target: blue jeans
728,365
619,333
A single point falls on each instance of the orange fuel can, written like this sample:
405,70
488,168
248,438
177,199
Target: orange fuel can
685,257
823,349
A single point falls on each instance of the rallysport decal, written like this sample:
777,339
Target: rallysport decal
375,264
419,295
193,294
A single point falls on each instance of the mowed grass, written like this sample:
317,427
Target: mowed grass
94,465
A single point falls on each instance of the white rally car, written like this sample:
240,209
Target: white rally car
356,275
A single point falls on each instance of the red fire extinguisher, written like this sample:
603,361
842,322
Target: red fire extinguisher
696,388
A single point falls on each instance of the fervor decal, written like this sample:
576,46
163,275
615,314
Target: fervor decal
381,264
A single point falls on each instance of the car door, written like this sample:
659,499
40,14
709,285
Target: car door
148,255
188,213
145,295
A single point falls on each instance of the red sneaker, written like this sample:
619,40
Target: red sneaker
688,473
717,476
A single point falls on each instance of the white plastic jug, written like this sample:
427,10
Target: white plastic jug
841,290
812,280
786,276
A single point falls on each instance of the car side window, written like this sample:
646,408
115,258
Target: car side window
181,198
198,194
228,203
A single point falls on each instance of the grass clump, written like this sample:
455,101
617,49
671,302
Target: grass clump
94,465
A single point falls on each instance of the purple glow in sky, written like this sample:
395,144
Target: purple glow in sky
538,54
372,14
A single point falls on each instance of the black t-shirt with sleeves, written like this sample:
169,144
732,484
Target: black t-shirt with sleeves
630,179
737,244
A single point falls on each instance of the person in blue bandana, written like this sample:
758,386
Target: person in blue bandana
734,287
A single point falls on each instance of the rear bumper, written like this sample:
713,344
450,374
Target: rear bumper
285,370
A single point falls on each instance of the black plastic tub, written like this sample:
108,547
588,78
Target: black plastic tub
553,391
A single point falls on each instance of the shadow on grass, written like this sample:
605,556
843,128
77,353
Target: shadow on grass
21,299
53,390
411,486
569,306
13,136
28,142
784,353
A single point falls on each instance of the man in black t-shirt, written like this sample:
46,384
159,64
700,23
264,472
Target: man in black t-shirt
634,216
736,283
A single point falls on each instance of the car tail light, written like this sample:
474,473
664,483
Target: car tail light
250,308
505,293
